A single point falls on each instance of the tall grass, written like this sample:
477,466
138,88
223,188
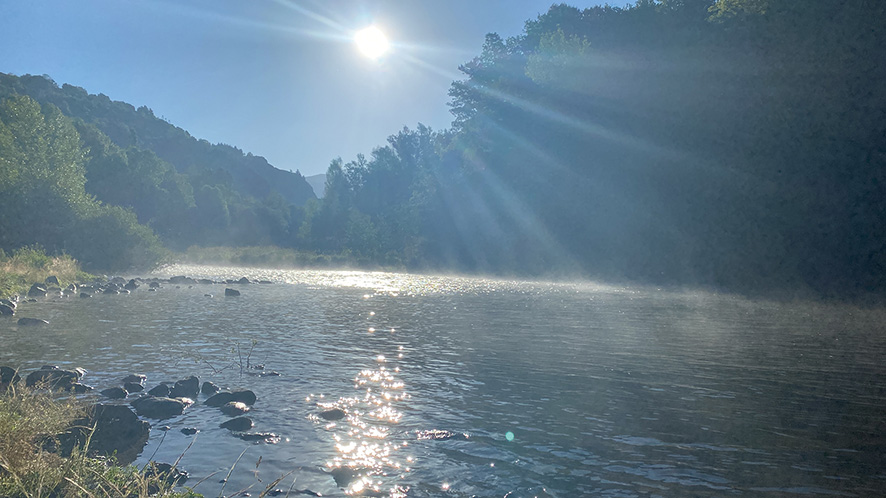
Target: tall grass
31,417
31,264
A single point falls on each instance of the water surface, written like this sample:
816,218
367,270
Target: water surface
543,389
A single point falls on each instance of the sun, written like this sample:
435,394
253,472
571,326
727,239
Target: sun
372,42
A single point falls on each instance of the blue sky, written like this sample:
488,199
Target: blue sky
280,79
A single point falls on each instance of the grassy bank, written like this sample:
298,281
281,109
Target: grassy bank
28,418
30,264
277,257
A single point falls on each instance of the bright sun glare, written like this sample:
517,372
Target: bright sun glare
372,42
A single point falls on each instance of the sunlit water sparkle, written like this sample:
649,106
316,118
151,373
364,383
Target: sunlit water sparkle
482,387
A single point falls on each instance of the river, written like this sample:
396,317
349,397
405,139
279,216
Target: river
543,389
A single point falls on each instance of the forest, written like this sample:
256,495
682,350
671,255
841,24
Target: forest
729,144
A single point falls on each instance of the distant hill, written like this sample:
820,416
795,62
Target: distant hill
318,183
127,126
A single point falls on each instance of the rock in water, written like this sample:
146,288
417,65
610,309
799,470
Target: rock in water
8,376
334,414
30,322
225,397
137,378
161,391
117,431
133,387
6,310
209,388
37,290
53,377
234,408
159,408
114,392
231,292
185,388
239,424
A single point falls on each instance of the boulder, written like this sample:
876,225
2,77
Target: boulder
133,387
243,280
110,290
137,378
131,285
185,388
154,284
8,376
7,302
6,310
189,431
51,280
29,322
159,408
205,281
79,388
53,378
239,424
242,395
181,279
37,290
163,472
234,408
117,281
117,431
161,391
265,282
231,292
114,392
209,388
85,295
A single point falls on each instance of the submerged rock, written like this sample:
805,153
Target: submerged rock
259,437
85,295
166,473
239,424
334,414
30,322
189,431
439,435
159,408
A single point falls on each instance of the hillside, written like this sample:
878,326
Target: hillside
127,126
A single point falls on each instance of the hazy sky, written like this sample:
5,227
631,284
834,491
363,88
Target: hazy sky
280,79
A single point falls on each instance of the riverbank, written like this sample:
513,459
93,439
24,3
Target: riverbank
30,264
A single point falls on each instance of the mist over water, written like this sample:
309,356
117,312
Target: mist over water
478,387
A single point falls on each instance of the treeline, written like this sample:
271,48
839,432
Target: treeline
737,144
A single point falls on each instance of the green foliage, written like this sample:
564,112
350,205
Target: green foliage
43,197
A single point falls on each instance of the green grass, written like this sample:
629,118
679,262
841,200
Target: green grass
30,264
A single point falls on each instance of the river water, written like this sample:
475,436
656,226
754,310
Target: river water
543,389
